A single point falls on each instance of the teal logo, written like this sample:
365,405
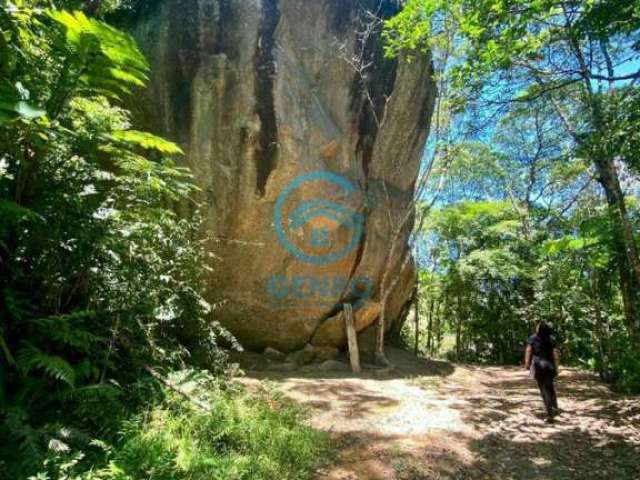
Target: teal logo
317,291
322,228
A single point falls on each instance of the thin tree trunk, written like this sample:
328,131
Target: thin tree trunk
599,333
416,333
380,357
459,329
430,327
436,339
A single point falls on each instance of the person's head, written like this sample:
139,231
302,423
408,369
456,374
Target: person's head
544,330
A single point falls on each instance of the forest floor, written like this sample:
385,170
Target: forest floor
428,419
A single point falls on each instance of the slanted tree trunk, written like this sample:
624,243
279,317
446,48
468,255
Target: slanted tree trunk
625,244
604,162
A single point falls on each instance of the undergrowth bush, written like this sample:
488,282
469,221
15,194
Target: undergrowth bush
101,281
224,433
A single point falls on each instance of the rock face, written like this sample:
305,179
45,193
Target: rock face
306,143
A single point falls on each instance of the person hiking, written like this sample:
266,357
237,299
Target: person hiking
542,359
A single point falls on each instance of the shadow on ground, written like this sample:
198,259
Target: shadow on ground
596,436
562,456
432,420
405,365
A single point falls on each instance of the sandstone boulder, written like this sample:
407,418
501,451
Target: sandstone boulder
273,354
305,141
332,331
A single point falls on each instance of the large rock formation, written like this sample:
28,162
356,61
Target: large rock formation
306,143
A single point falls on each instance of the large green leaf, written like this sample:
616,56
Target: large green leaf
14,104
108,58
146,140
11,212
566,244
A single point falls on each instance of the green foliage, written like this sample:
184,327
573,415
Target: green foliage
31,358
516,254
98,275
550,89
238,437
102,59
146,140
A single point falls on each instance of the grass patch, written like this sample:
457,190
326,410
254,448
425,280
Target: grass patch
239,436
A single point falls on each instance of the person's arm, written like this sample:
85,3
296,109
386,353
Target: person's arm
556,359
527,358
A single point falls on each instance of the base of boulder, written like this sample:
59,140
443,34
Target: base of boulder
273,354
334,365
313,354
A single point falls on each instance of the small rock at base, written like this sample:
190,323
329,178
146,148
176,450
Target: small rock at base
334,365
273,354
383,372
322,354
283,367
303,356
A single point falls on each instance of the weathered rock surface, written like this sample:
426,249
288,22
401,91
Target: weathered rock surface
259,92
273,354
334,365
332,332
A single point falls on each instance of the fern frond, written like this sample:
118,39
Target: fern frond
147,141
68,330
111,59
92,393
17,426
31,358
5,349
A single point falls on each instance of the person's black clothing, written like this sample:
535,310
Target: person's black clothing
544,370
548,391
541,348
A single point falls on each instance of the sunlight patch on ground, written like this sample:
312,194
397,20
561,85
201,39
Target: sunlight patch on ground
432,420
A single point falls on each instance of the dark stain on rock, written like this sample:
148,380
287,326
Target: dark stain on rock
225,43
183,56
373,85
340,15
266,154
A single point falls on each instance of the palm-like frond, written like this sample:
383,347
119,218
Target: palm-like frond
109,60
69,330
30,358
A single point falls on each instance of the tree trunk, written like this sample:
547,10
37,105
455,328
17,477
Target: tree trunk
436,339
459,329
625,246
430,327
599,333
416,339
380,357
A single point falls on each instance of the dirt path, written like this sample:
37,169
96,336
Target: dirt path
435,420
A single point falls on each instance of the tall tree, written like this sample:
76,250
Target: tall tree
579,56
